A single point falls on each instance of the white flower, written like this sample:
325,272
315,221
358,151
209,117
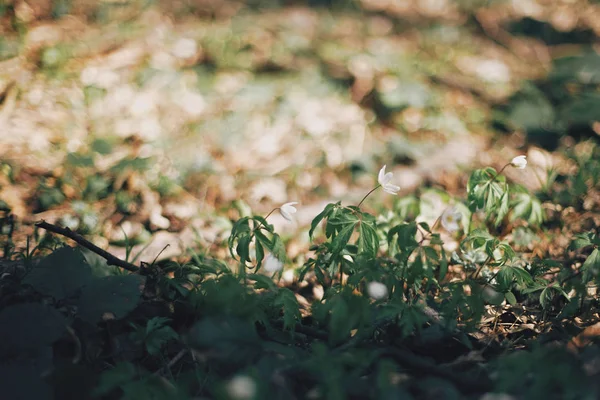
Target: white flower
241,387
287,210
451,218
519,162
272,264
384,180
185,48
377,290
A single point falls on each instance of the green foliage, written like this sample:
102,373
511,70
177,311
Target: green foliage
155,335
110,297
61,274
254,230
557,374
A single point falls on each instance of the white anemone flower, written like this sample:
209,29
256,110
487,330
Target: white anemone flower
451,219
384,180
377,290
272,264
241,387
519,162
287,210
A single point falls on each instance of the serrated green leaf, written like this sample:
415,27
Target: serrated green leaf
261,237
503,207
368,242
61,274
323,214
291,309
342,238
111,297
158,338
278,248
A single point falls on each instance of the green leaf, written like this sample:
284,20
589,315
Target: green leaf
111,297
291,309
581,240
260,253
405,233
262,281
340,323
323,214
29,326
510,297
158,338
80,160
61,274
278,248
101,146
112,379
342,238
443,265
503,207
368,241
243,248
591,265
240,227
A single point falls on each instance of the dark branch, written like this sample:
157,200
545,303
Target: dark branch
110,259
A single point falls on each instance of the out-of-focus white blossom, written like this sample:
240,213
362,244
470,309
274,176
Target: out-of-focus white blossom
384,180
451,219
287,210
519,162
376,290
272,264
241,387
185,48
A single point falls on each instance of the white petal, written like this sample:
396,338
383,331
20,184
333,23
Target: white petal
241,387
377,290
451,218
287,210
391,189
272,264
381,176
519,162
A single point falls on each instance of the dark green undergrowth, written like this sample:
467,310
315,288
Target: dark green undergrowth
401,316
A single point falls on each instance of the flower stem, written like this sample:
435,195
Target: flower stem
367,195
498,173
268,215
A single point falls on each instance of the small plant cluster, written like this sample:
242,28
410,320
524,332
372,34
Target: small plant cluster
396,305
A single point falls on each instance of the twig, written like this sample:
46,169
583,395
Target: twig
171,363
110,259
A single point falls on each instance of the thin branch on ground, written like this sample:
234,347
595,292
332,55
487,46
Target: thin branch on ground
110,259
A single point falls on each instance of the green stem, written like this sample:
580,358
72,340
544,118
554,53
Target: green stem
268,215
367,195
498,173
